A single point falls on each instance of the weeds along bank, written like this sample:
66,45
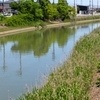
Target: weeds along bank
72,81
78,18
27,20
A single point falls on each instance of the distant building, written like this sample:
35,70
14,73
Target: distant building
82,9
5,7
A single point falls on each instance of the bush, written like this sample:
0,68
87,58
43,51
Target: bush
2,17
20,20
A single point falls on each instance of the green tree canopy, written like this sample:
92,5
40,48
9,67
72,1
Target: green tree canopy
43,9
64,10
28,7
14,5
62,2
52,12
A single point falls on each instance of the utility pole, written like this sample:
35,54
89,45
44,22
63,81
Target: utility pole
97,5
53,1
92,7
74,3
75,6
3,6
89,6
75,10
89,3
81,2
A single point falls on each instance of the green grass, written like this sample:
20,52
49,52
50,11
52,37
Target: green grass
72,81
80,18
34,24
11,28
87,17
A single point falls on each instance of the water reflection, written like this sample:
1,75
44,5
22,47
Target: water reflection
39,42
20,64
4,63
53,52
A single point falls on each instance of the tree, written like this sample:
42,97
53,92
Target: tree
44,4
25,6
62,2
52,12
31,7
63,9
14,5
37,11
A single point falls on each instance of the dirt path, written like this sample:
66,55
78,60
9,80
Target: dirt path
10,32
94,90
15,31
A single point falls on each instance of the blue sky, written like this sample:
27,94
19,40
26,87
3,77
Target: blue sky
83,2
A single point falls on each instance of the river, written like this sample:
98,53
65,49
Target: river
26,59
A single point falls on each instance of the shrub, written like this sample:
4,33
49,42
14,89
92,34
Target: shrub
2,18
20,20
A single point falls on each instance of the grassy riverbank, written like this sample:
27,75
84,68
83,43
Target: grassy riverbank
14,30
77,20
35,24
73,80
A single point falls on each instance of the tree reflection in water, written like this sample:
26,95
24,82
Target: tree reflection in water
38,42
4,62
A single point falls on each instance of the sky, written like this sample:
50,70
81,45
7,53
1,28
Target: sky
81,2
